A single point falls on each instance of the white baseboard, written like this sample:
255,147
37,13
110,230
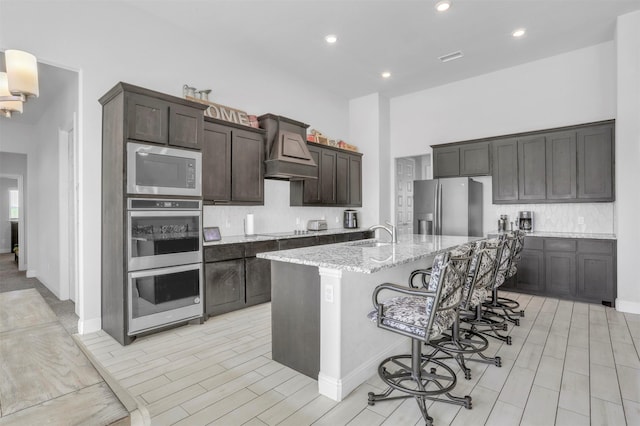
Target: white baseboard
89,326
338,389
32,273
627,306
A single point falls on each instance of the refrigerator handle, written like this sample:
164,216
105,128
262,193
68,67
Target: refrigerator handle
439,209
434,227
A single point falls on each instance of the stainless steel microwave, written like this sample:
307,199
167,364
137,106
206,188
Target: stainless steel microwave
159,170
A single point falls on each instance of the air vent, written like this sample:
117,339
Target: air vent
451,56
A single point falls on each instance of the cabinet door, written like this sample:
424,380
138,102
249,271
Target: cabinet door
474,159
561,166
185,126
258,280
446,162
148,119
311,190
247,167
531,168
596,278
595,163
560,273
216,163
355,181
342,178
505,170
224,286
328,177
530,273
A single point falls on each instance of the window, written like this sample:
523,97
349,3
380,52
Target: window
13,204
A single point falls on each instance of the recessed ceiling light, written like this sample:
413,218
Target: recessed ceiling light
386,74
331,38
443,5
519,32
451,56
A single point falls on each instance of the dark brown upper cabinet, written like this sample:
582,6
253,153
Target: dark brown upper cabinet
233,163
156,120
596,163
561,166
531,168
338,183
505,170
469,159
572,164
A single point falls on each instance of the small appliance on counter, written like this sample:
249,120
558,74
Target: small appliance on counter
317,225
502,223
525,221
350,219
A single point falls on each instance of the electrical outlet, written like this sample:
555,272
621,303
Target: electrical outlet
580,220
328,293
297,221
337,219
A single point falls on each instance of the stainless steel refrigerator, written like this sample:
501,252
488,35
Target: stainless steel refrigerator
451,206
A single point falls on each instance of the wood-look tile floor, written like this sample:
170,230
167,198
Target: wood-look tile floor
44,376
569,364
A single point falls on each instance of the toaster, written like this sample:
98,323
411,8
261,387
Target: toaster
317,225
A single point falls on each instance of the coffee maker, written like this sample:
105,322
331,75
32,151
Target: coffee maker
525,221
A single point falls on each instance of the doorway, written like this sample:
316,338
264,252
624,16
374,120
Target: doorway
408,169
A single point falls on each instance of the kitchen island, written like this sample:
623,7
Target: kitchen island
320,298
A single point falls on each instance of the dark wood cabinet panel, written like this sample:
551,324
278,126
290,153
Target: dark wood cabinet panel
225,290
148,119
342,178
338,183
216,163
560,268
258,280
446,162
328,177
561,166
531,168
474,159
355,181
596,278
185,127
311,187
596,163
247,167
531,272
505,170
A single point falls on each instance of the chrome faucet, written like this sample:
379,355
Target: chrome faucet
390,229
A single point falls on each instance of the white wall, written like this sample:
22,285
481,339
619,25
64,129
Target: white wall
628,160
110,42
5,226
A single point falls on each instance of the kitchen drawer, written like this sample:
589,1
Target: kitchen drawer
342,238
559,244
292,243
533,243
600,247
326,239
260,247
223,252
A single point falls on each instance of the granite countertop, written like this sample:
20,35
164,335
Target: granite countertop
585,235
233,239
356,256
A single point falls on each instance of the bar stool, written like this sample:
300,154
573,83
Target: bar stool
459,343
510,308
422,314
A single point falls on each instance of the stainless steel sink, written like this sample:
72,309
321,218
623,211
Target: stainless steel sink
366,243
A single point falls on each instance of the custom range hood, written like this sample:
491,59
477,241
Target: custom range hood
287,155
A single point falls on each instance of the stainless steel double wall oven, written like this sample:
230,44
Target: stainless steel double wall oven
164,237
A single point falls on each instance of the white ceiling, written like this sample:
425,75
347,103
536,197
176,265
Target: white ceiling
404,37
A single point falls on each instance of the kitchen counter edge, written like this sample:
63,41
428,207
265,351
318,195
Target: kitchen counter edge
235,239
578,235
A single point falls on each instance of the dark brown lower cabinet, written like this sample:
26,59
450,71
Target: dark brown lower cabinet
567,268
224,290
258,280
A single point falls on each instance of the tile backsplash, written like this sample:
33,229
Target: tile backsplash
596,217
275,216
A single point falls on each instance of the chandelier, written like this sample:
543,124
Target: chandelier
19,82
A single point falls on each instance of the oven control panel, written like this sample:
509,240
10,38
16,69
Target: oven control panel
155,204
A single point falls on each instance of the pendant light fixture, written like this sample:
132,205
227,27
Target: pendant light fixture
19,82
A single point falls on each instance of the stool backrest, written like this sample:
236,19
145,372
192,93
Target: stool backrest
504,265
482,270
517,253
